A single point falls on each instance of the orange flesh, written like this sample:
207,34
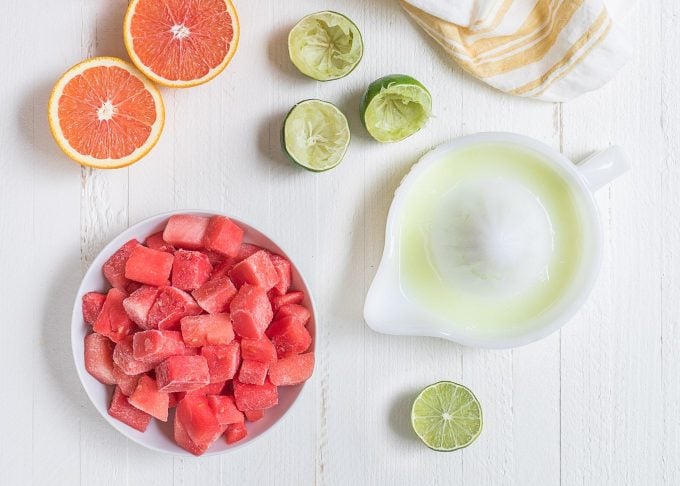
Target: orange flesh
106,112
179,39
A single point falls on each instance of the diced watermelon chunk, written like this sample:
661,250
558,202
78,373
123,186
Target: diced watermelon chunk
113,321
99,358
255,397
147,398
289,336
182,373
214,258
235,433
223,361
132,287
147,266
225,409
190,270
156,242
123,356
126,383
186,231
138,305
254,415
207,329
92,306
283,270
121,409
171,305
253,372
300,313
215,295
223,236
155,346
209,389
251,311
257,269
291,298
246,250
258,350
114,268
183,440
292,370
199,421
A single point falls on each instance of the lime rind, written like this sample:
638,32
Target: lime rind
315,135
446,416
325,46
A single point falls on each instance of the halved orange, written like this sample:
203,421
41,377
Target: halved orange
180,43
104,113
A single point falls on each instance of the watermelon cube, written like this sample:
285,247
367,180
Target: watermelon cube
123,356
253,372
235,432
183,440
207,329
251,311
215,295
254,415
186,231
190,270
255,397
156,242
126,383
139,303
171,305
198,419
289,336
258,350
282,267
147,266
112,321
292,370
223,361
92,306
114,268
99,358
225,409
182,373
209,389
257,269
147,398
121,409
246,250
278,301
299,313
223,236
155,346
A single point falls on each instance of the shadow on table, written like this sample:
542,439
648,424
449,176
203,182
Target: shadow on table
400,414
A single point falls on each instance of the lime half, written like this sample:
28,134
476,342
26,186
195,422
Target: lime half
395,107
325,46
446,416
315,135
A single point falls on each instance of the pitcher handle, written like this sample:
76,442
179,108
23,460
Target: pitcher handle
603,167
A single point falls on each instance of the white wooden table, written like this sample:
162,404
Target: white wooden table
595,404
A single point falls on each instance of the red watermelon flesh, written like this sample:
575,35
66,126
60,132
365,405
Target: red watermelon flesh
235,433
295,297
209,389
99,358
123,356
292,370
182,373
183,440
215,295
207,330
132,287
121,409
171,305
253,372
138,305
258,350
190,270
300,313
225,409
223,361
147,266
199,420
155,346
282,267
289,336
222,269
186,231
214,258
112,321
92,306
257,269
114,267
251,311
223,236
173,399
147,398
255,397
246,250
254,415
156,242
126,383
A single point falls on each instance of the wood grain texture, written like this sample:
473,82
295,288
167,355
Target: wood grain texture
595,404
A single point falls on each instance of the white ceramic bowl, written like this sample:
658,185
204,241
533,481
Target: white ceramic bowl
159,435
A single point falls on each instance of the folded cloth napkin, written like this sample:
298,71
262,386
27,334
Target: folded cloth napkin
553,50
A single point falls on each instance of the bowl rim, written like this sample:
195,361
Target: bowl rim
77,320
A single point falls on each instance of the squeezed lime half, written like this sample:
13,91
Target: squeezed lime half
446,416
315,135
395,107
325,46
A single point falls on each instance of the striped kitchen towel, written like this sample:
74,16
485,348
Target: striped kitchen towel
553,50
